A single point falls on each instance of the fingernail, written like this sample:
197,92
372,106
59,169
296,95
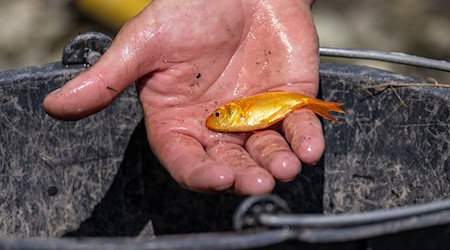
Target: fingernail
55,91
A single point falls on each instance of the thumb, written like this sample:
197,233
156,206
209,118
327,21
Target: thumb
94,89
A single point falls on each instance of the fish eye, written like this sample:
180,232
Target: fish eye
216,113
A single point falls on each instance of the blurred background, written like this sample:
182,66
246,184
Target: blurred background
34,32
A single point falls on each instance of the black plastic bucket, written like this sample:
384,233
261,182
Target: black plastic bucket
98,177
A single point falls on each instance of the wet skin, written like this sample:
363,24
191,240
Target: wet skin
192,57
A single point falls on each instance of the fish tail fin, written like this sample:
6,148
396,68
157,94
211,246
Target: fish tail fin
323,108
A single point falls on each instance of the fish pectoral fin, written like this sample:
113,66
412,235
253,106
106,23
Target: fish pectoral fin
249,111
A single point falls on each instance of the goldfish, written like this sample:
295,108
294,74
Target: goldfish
264,110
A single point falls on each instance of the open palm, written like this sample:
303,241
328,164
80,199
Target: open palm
190,58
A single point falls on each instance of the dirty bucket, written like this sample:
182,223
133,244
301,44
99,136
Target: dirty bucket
383,182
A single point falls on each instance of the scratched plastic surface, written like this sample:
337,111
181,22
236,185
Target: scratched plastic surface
393,146
98,177
53,173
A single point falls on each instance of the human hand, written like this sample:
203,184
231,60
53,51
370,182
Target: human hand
190,58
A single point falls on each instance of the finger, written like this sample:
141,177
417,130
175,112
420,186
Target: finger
94,89
270,150
188,163
250,178
303,131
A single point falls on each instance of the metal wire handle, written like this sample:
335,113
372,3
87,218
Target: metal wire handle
348,220
393,57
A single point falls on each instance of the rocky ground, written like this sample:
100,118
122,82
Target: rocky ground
409,26
34,32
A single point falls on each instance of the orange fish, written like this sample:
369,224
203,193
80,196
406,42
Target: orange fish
265,109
